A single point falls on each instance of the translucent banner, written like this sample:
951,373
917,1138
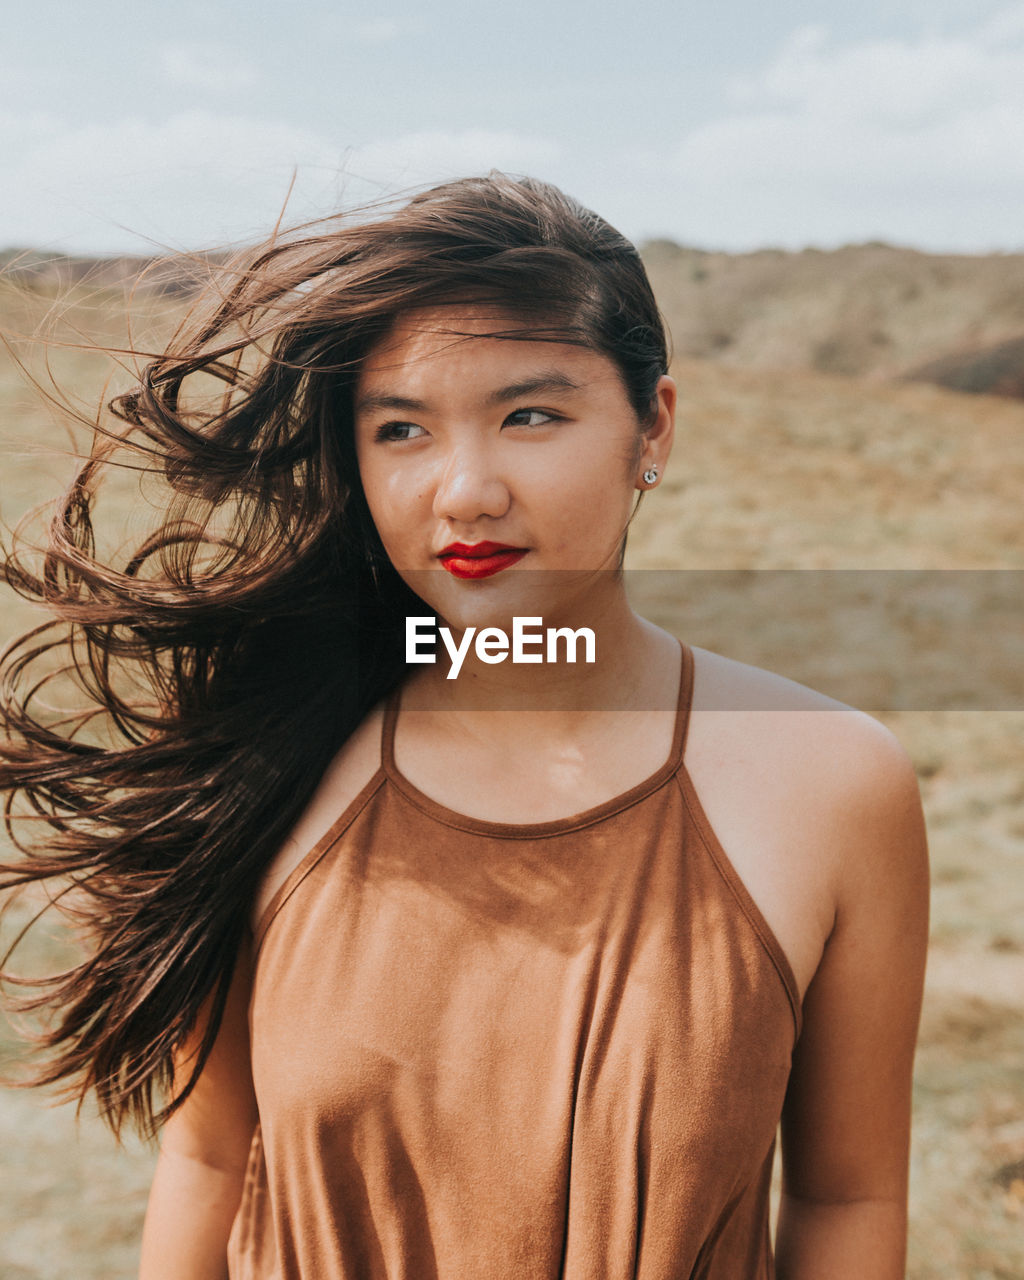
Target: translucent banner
876,639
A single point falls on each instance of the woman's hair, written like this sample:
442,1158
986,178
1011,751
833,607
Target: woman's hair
226,658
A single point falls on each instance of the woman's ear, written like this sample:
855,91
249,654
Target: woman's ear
657,439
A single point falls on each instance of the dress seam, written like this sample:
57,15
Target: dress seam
522,831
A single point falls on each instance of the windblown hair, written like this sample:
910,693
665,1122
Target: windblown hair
227,658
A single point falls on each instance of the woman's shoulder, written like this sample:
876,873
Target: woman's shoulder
764,707
822,755
354,765
815,802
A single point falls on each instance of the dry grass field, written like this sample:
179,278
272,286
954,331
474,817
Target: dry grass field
774,468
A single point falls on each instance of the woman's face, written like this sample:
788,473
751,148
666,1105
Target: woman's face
527,444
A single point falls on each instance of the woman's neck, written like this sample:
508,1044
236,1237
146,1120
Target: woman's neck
633,668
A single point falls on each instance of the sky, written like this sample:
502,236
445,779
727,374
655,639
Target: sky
732,125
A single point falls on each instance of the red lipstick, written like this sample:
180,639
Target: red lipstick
479,559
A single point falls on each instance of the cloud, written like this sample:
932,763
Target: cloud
194,178
429,156
919,140
200,178
207,68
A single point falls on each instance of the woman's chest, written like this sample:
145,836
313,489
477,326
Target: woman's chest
475,1001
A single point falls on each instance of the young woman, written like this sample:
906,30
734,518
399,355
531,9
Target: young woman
511,974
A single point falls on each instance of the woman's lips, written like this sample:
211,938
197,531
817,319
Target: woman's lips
467,566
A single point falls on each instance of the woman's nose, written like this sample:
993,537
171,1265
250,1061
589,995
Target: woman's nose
470,486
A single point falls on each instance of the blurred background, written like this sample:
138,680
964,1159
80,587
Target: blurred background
830,202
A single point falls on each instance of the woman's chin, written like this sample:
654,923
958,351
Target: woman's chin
555,595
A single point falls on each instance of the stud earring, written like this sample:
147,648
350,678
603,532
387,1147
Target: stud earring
650,475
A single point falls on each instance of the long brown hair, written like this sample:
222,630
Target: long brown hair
233,651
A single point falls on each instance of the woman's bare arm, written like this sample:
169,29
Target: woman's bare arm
203,1153
846,1121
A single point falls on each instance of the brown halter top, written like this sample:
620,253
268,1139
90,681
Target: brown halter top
494,1051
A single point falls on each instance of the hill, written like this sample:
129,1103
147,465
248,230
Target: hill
871,310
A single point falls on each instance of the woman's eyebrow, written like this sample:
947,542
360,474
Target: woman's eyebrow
382,400
549,381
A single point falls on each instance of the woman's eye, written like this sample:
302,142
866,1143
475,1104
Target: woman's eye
539,416
395,430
